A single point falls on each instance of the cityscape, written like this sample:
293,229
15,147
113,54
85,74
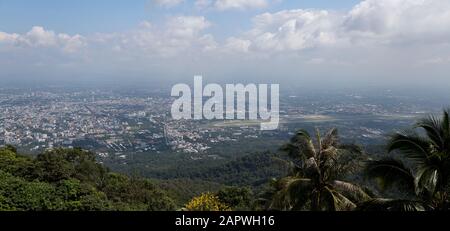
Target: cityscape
117,125
225,105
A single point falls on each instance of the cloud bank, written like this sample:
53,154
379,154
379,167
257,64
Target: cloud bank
374,36
39,37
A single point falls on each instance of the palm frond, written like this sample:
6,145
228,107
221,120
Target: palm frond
280,202
343,203
331,200
446,128
326,200
434,130
351,191
350,159
319,140
312,169
446,122
300,146
331,139
426,180
328,159
294,193
390,171
382,204
351,148
302,133
329,153
411,145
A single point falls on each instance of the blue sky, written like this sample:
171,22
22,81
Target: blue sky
90,16
303,40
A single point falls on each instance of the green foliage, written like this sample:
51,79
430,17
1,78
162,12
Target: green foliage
61,164
18,194
182,190
71,180
427,149
317,169
10,148
233,164
77,196
239,199
319,173
389,172
399,205
13,163
136,194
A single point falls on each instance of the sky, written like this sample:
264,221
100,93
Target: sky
333,42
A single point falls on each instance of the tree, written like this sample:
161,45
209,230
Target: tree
428,154
18,194
206,202
14,163
52,166
237,198
317,172
61,164
136,194
72,180
11,148
78,196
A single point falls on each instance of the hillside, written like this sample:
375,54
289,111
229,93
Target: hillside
71,180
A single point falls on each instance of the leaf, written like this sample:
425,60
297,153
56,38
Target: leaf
434,129
391,171
411,145
426,180
342,203
383,204
300,146
331,139
294,193
351,191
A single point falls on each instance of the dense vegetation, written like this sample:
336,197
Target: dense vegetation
423,172
70,179
309,173
419,170
315,182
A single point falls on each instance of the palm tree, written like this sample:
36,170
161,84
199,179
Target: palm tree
428,154
316,169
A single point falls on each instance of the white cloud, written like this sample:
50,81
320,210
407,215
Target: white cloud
240,4
168,3
369,23
373,37
386,21
8,38
292,30
71,43
237,45
39,37
177,36
202,4
186,26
